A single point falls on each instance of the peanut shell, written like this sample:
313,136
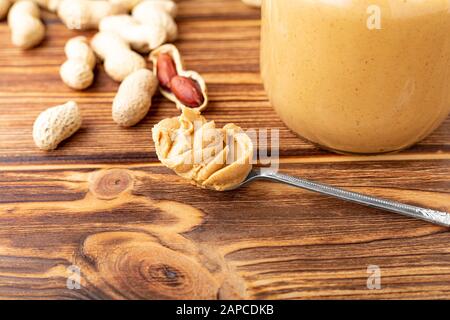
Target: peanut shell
55,125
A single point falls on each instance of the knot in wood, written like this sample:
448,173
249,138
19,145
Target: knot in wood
110,183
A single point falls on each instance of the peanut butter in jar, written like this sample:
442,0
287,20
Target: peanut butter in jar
367,76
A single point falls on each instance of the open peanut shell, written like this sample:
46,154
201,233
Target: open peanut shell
172,50
209,157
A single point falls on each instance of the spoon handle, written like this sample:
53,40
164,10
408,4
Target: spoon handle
433,216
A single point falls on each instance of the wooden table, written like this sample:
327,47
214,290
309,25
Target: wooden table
102,204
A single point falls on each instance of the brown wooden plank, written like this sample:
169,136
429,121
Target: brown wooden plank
103,202
219,38
142,232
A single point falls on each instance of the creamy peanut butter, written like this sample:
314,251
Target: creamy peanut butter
362,76
195,149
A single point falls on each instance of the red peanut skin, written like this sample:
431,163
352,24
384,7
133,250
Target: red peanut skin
166,70
187,91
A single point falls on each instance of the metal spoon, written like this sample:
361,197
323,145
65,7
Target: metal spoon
433,216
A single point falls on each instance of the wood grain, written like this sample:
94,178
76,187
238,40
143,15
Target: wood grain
103,203
141,232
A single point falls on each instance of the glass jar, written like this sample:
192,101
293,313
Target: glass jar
358,76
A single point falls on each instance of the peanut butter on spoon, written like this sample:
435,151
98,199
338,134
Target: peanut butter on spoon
210,157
